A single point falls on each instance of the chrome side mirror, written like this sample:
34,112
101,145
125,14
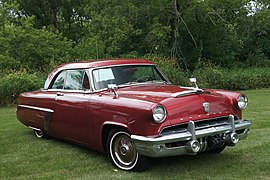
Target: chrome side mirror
113,88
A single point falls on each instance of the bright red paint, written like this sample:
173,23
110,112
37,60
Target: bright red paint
81,117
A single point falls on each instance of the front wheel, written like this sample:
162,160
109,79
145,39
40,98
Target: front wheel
123,153
217,150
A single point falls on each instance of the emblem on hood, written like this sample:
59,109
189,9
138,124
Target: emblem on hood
206,107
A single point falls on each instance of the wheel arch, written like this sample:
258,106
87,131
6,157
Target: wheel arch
107,128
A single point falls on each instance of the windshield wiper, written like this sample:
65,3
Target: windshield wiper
135,82
128,83
157,81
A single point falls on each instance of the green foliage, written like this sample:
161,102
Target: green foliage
171,70
90,48
15,83
233,79
37,36
8,63
22,46
34,48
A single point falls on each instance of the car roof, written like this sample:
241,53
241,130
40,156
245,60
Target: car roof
94,64
102,63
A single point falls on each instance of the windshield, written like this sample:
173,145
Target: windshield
128,74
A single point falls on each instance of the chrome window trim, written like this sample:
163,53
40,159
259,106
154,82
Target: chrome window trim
37,108
86,70
162,74
56,76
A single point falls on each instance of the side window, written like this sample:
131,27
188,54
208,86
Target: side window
74,80
59,81
71,80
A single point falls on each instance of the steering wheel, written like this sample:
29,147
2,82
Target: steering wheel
144,78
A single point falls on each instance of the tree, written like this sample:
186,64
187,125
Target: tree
223,33
24,46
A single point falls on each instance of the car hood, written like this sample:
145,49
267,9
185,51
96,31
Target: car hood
153,93
183,104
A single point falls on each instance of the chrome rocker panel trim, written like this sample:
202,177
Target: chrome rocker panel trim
155,146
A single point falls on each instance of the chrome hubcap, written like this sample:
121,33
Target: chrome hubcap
123,151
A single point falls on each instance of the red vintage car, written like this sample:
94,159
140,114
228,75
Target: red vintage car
130,110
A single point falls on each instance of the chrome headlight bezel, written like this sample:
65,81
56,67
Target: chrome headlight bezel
159,114
242,102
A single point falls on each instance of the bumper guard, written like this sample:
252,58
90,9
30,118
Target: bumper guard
191,139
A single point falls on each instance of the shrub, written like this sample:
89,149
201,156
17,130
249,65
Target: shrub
8,63
233,79
13,84
34,49
171,69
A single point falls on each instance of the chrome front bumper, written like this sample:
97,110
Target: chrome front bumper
157,146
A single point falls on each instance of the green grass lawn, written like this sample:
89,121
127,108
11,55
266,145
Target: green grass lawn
22,156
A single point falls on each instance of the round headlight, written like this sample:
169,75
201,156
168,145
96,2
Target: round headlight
159,114
242,102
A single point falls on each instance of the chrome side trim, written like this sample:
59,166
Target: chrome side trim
37,108
188,92
183,93
47,117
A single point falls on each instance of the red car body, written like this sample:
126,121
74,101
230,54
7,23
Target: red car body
146,117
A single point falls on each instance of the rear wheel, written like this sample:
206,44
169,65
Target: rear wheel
123,153
38,133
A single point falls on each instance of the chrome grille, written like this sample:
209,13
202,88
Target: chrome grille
198,125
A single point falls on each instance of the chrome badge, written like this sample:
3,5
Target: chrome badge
206,106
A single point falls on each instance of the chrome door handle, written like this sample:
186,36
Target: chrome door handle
59,94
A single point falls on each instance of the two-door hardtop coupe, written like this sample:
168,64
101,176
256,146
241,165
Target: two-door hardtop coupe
129,109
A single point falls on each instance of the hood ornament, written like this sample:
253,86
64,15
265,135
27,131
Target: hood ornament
206,107
194,81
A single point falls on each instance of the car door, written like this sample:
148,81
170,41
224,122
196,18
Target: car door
71,117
